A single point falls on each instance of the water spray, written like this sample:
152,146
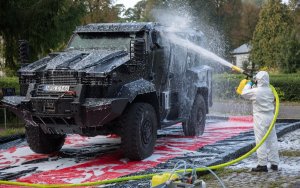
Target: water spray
147,176
208,55
205,53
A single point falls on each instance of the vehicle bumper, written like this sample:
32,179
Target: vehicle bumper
52,112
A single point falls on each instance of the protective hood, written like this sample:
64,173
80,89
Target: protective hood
262,78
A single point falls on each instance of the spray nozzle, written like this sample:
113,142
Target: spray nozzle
238,69
249,76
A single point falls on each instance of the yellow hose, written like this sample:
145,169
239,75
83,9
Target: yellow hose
257,146
139,177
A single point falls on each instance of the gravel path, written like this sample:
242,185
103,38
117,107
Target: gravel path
288,174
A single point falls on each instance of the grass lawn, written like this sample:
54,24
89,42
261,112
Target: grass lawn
11,131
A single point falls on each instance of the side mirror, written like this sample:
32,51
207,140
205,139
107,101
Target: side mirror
154,37
24,52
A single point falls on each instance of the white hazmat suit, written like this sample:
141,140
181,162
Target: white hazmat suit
263,112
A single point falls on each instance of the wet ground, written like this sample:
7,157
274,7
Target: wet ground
85,159
288,175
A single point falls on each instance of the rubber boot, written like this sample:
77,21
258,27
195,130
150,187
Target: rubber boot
274,167
260,169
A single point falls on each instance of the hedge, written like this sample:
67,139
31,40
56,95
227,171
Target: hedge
12,120
224,85
287,86
9,82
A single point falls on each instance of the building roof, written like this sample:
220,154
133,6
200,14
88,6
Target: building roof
243,49
115,27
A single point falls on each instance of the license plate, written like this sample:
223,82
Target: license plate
49,107
56,88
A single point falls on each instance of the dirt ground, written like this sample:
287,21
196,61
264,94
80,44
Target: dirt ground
288,174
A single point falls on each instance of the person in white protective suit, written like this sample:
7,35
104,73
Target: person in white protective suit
263,112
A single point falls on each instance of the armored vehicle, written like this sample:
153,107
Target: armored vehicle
114,78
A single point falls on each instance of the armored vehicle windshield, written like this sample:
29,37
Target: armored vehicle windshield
107,41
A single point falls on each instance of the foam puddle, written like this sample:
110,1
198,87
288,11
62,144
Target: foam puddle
80,167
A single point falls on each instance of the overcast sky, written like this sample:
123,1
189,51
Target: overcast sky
131,3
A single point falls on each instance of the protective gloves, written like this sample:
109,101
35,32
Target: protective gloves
242,84
250,83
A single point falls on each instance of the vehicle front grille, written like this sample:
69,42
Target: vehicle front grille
41,93
64,77
60,78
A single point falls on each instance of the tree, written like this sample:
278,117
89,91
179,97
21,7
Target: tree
293,55
101,11
45,24
131,14
271,37
137,13
231,23
224,15
292,4
296,16
258,2
247,23
142,10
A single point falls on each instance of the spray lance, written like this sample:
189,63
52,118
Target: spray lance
238,69
249,79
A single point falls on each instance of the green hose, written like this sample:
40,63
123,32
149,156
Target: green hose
139,177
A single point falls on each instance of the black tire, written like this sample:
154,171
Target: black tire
139,131
42,143
195,125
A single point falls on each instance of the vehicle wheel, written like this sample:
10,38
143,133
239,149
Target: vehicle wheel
196,123
39,142
139,131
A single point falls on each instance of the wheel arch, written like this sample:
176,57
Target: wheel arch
150,98
138,87
141,91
